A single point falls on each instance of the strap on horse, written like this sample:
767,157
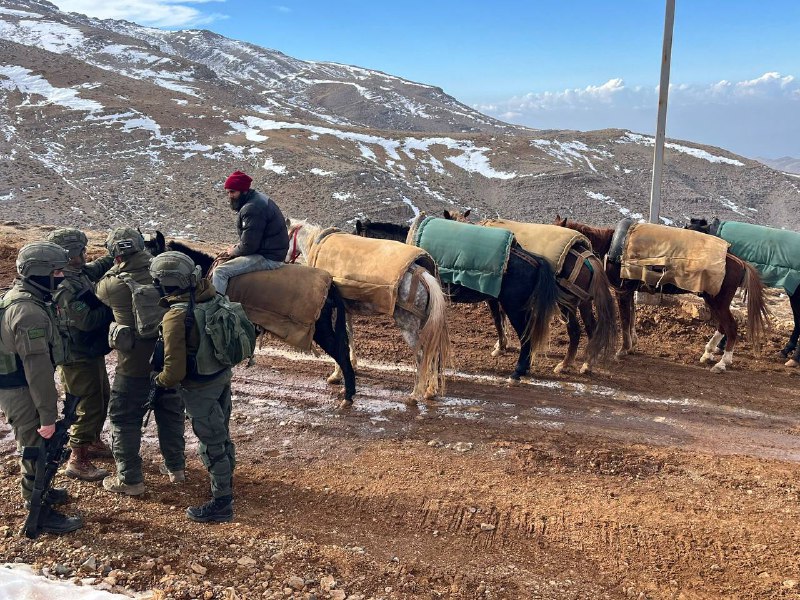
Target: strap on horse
568,283
416,279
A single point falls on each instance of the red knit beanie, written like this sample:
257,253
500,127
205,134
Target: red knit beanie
238,181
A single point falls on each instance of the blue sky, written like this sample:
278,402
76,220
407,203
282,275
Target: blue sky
562,64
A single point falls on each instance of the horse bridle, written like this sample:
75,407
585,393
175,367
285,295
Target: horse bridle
295,247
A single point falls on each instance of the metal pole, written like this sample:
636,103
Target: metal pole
661,124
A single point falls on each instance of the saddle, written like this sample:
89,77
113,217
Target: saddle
659,255
366,270
286,302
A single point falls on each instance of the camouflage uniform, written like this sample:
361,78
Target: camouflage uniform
207,397
83,321
132,378
31,344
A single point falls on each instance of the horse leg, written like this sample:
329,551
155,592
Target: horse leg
711,347
587,315
410,326
519,321
627,317
499,319
791,348
728,326
332,338
336,376
574,333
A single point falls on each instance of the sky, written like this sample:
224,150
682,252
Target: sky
549,64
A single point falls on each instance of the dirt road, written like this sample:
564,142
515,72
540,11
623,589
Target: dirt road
651,478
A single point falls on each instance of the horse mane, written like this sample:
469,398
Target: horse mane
600,237
310,233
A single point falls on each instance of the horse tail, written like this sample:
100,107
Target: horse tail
542,305
757,312
604,339
434,341
339,322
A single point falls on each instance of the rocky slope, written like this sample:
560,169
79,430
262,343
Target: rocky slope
106,122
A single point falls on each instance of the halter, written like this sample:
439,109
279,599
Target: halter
295,248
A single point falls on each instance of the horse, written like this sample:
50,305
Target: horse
589,285
528,293
330,331
767,237
738,273
419,312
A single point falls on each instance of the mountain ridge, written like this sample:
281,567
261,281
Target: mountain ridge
107,122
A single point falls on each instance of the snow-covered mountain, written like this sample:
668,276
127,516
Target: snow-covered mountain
105,122
785,163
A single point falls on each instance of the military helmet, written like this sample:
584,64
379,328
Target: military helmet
123,241
41,258
73,240
174,269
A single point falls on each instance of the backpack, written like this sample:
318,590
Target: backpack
227,337
147,312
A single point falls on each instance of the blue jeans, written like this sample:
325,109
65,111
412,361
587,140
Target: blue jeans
239,266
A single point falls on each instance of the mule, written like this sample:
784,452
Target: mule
589,286
330,332
768,238
528,293
420,314
738,274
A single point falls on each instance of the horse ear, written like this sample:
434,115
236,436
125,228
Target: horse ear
466,214
559,221
359,226
447,215
162,242
288,223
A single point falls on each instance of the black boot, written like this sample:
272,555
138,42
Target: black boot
216,510
54,497
58,524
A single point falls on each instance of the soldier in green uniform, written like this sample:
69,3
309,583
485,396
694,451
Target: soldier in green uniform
132,376
29,336
84,322
207,396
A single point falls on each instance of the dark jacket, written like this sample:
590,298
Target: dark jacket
261,227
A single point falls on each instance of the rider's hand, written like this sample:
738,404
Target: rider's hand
47,431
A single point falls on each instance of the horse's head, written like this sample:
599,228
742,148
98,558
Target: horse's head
559,221
362,227
154,243
457,216
301,235
701,225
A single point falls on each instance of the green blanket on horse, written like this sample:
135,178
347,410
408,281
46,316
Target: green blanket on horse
774,252
468,255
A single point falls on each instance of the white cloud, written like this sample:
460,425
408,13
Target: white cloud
155,13
753,117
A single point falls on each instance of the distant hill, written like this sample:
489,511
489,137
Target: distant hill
105,122
787,164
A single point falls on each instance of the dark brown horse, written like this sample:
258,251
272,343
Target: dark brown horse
738,273
582,282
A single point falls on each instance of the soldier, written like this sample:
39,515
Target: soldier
263,239
29,335
83,321
207,396
132,376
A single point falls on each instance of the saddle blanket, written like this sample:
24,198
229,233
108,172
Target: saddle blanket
286,302
774,252
551,242
659,255
366,269
466,254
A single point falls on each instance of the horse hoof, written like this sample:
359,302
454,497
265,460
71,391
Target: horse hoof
586,368
512,382
791,363
718,368
334,379
411,400
559,368
345,404
621,354
706,358
429,396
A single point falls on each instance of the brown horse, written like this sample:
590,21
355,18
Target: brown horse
582,281
738,273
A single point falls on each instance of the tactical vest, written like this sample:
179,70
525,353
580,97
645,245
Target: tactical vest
11,371
80,344
227,337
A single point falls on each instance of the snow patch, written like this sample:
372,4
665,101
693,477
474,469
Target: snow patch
636,138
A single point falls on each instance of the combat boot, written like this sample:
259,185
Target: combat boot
113,483
99,449
58,524
54,497
80,467
216,510
178,476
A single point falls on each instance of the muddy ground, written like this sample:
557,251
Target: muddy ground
651,478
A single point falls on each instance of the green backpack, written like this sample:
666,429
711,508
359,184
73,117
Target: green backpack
227,337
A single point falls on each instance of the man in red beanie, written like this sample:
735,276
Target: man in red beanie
263,239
